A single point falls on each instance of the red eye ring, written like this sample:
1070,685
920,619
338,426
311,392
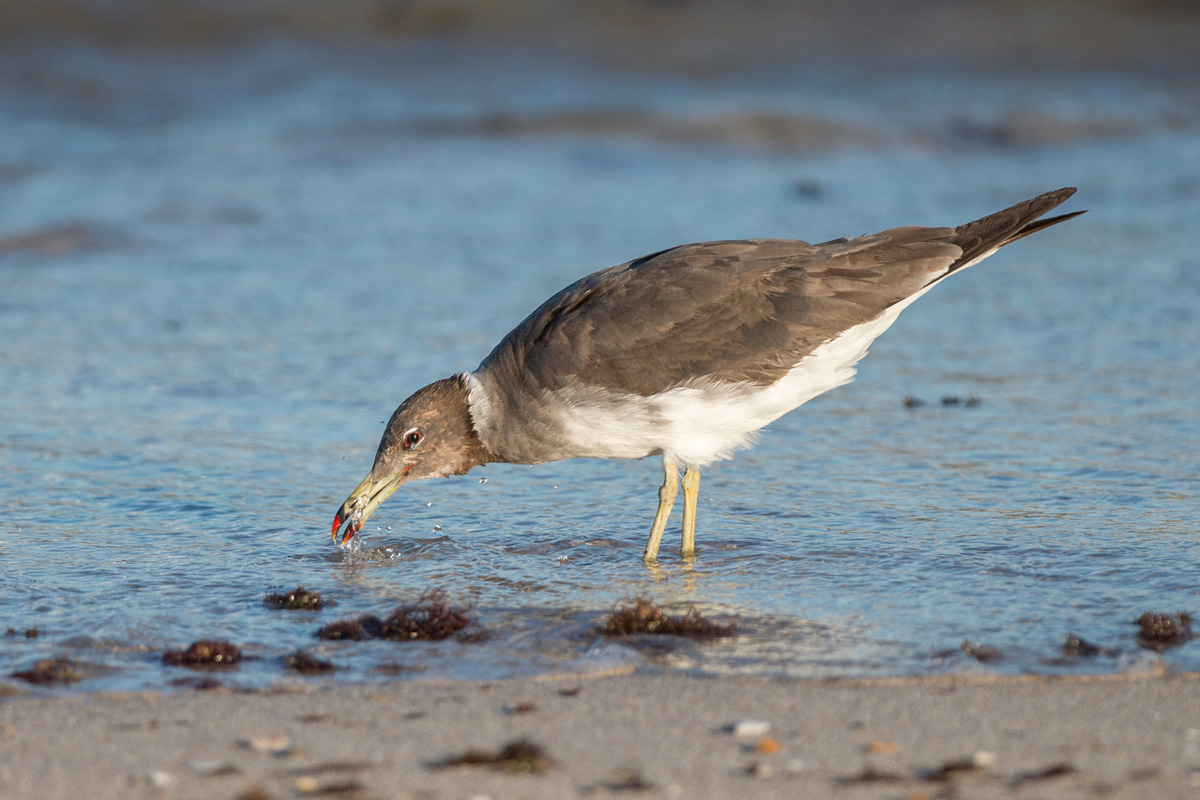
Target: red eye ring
411,439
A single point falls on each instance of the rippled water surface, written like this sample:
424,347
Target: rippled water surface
222,270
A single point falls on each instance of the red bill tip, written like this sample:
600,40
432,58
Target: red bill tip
351,529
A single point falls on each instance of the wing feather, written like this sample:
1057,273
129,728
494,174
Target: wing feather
729,311
739,310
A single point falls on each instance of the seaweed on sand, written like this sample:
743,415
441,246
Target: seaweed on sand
640,615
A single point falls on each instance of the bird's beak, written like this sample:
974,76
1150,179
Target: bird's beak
363,501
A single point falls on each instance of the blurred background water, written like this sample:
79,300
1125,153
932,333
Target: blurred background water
233,237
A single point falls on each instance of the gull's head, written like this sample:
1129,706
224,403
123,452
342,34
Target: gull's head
430,435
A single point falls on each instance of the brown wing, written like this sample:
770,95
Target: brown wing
744,310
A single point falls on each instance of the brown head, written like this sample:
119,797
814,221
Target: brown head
430,435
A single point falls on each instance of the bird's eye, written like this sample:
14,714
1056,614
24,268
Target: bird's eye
411,439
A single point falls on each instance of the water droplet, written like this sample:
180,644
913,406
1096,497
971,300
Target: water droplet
483,480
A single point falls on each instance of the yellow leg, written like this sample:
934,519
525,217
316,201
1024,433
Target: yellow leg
666,499
691,494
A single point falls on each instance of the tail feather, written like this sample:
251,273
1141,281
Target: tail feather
996,230
1034,227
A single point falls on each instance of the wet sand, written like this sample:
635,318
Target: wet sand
647,736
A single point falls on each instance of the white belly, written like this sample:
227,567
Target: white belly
704,421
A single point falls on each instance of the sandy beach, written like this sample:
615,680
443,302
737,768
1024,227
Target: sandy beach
666,736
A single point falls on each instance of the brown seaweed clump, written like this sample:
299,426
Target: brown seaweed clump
201,684
520,756
431,618
1078,647
204,653
966,402
622,781
1058,770
49,671
1159,631
298,599
983,653
30,633
354,630
643,616
308,664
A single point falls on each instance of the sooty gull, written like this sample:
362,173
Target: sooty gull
685,353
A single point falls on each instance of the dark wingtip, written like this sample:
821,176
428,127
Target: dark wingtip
1009,224
1035,207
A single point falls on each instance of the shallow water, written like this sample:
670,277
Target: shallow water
223,269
